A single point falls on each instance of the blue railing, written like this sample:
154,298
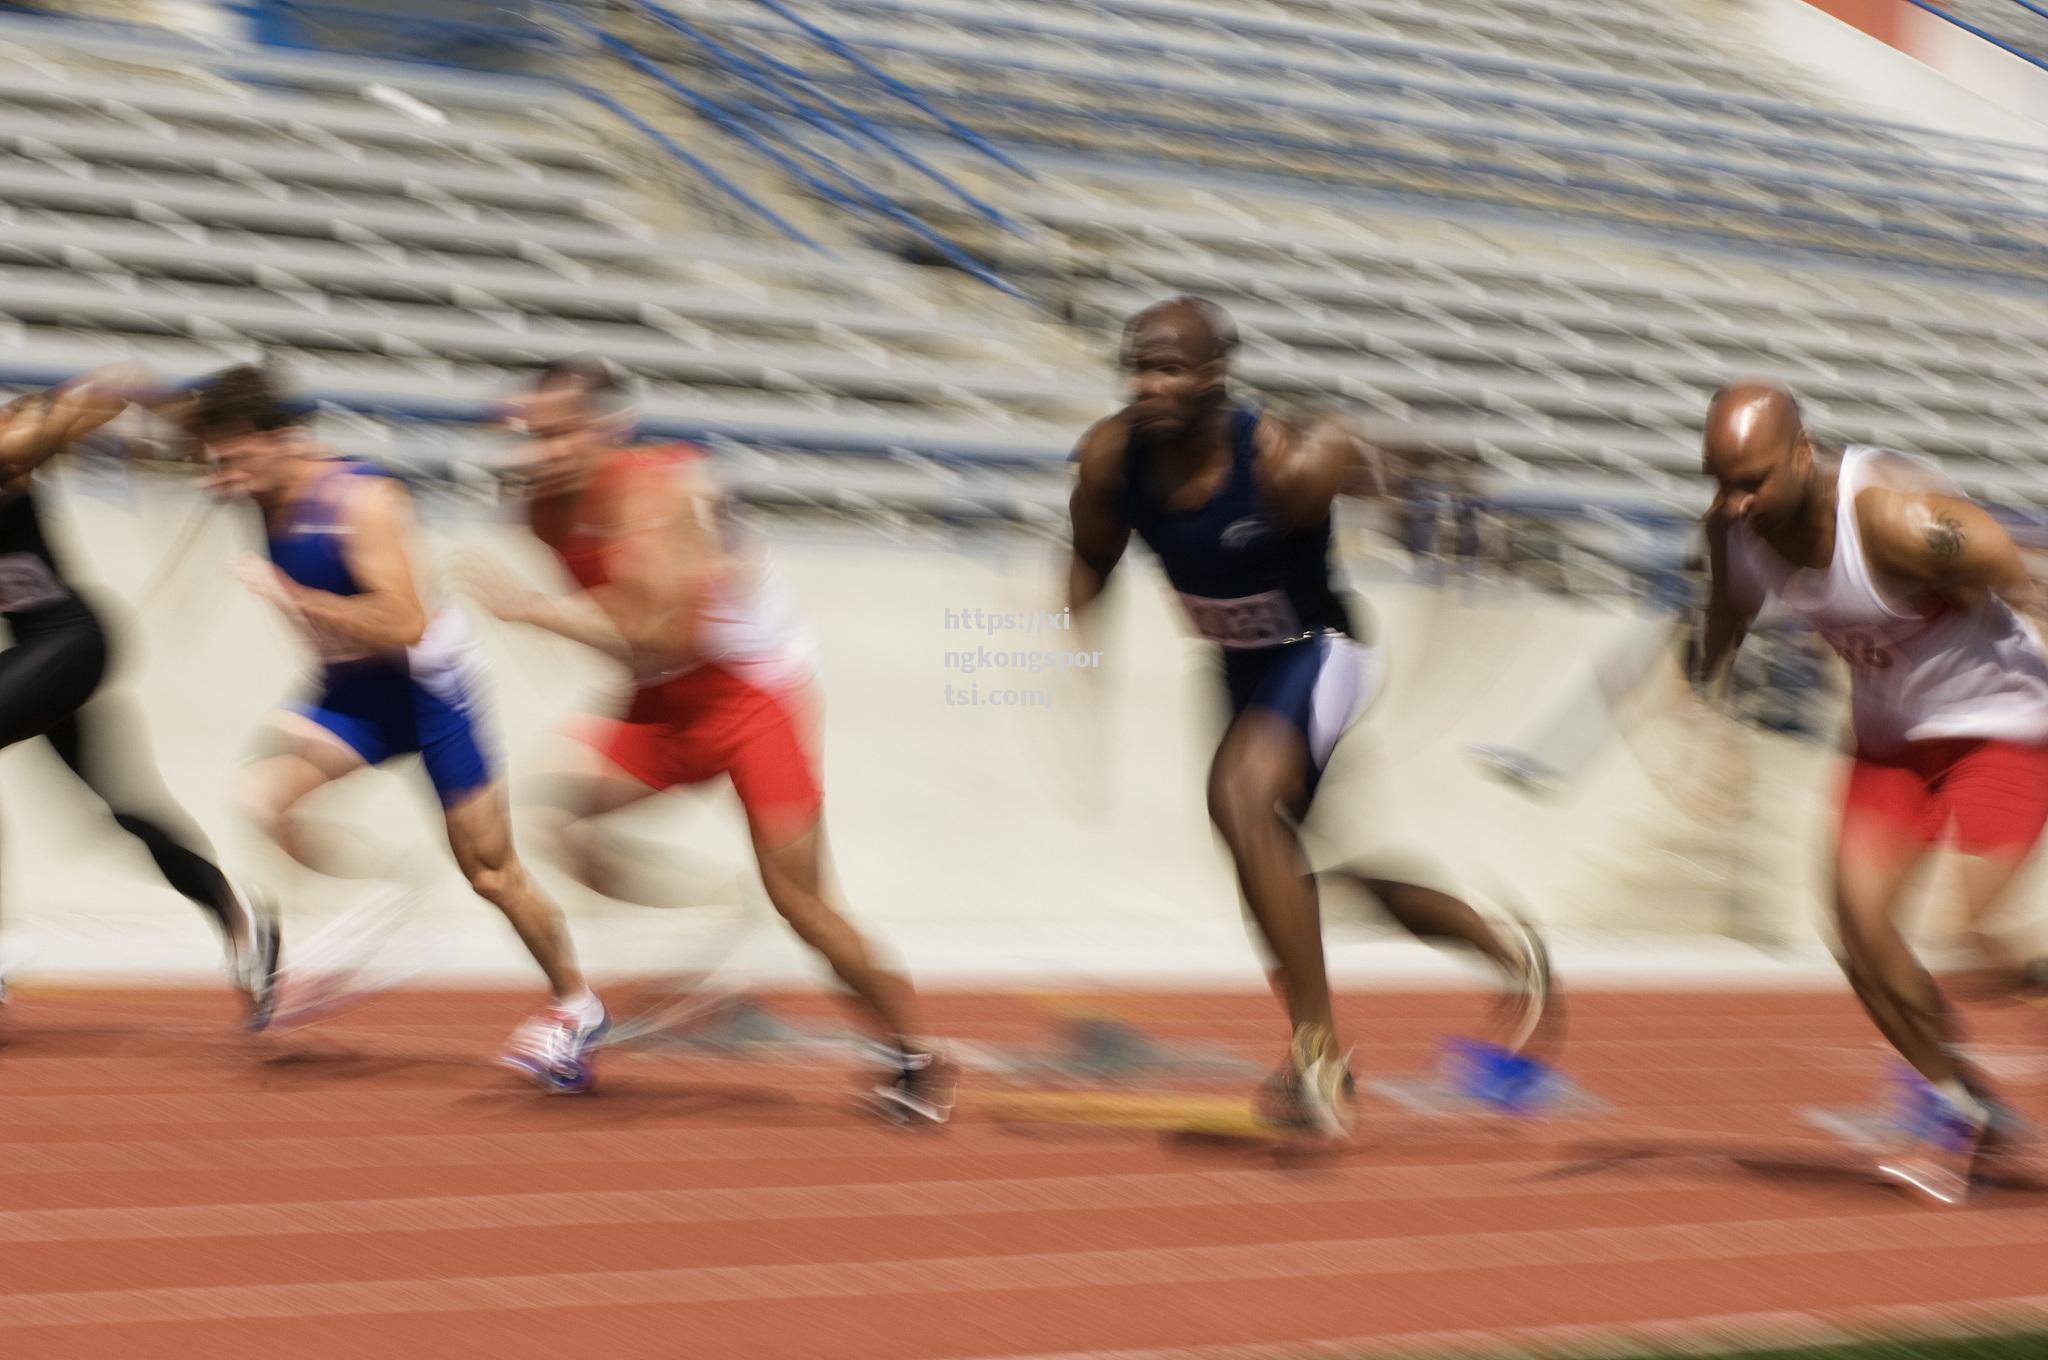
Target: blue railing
464,43
447,41
758,70
823,176
1938,12
683,156
909,95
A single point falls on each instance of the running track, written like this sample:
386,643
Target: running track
376,1187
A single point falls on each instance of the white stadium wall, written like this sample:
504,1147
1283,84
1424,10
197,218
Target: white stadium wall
1904,64
1066,842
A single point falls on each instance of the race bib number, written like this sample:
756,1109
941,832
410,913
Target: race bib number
1863,648
1248,621
26,583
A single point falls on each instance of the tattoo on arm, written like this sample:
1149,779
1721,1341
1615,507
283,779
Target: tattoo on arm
1945,539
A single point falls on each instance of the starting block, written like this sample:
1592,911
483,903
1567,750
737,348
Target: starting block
1097,1049
1912,1113
733,1025
1474,1077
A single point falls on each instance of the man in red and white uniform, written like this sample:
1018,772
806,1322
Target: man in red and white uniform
724,674
1925,597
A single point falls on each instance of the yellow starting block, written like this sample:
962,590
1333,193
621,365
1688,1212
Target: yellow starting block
1208,1116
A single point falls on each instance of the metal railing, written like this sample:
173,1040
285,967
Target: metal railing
823,176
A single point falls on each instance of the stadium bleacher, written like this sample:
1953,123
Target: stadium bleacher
403,242
1542,230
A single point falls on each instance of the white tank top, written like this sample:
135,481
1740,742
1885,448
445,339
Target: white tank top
750,625
1920,668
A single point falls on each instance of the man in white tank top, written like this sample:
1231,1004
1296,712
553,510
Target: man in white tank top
1923,594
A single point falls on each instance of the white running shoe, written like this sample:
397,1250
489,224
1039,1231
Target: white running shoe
553,1049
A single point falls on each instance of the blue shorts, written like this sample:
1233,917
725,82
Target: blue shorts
380,711
1319,685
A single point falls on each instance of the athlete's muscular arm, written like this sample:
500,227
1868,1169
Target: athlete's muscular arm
42,427
387,613
1100,533
576,617
1725,621
1947,544
1303,471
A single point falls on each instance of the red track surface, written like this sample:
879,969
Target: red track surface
167,1190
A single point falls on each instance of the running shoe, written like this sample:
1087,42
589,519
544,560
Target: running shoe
1530,1015
553,1049
256,969
919,1089
1322,1084
1279,1096
2033,985
1942,1148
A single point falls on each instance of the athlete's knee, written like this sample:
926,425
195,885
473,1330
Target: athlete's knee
1226,799
498,884
793,880
809,916
561,795
1241,807
258,805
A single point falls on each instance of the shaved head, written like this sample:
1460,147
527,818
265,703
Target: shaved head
1756,448
1749,415
1177,356
1205,328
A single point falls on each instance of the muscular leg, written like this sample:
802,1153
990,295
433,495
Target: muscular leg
1260,769
1872,863
44,679
305,757
105,745
793,872
480,834
557,812
2001,972
1435,916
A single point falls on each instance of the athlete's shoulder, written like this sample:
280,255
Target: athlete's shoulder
1893,490
649,484
364,493
1919,531
666,455
640,463
1302,466
1882,469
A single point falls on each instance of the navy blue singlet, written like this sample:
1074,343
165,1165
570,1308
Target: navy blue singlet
1265,596
1246,584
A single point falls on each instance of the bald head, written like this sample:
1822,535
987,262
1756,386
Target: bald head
1177,356
1202,327
1756,449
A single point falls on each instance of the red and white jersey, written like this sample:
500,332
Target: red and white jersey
748,622
1920,667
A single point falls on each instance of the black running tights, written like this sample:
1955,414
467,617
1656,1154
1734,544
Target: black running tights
46,681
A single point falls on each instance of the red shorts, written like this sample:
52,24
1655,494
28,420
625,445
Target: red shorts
709,722
1994,794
